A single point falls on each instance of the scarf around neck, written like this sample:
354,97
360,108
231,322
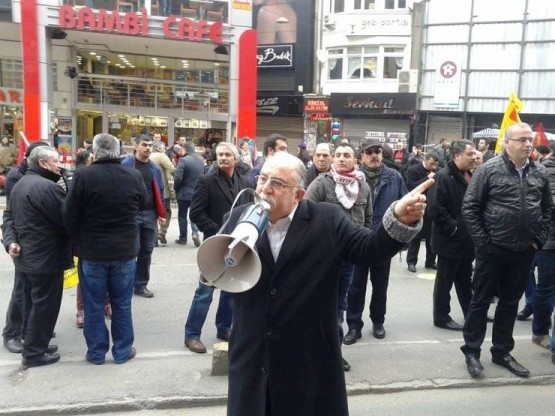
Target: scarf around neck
347,186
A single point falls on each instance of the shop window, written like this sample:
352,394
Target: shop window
392,62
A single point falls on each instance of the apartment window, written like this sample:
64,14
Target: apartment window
395,4
365,4
11,73
337,6
365,62
335,64
392,62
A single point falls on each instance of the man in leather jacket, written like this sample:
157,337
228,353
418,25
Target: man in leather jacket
507,210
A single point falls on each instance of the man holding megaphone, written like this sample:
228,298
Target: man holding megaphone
285,356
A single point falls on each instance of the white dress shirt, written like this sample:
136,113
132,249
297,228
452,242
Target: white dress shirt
276,233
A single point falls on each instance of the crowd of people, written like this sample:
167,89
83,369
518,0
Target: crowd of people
336,219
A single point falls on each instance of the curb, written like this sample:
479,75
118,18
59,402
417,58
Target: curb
182,402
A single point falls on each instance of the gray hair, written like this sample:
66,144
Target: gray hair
288,161
158,145
229,146
41,153
326,145
105,146
510,129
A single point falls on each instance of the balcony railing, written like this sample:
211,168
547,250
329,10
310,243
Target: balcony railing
102,92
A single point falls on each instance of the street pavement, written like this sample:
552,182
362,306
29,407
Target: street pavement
165,375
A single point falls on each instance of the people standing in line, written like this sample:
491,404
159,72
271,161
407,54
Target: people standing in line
101,210
35,237
153,211
284,358
163,162
386,186
14,328
274,143
450,238
483,148
213,197
189,168
345,187
321,162
415,176
508,211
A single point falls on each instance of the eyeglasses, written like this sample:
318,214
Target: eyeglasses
377,151
274,183
523,140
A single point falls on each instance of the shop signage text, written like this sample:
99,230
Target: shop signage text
383,25
275,56
368,102
137,24
316,105
268,105
10,96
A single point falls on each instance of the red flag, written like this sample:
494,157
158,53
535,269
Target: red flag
541,138
22,148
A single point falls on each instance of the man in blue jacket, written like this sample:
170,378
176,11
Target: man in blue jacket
152,212
387,186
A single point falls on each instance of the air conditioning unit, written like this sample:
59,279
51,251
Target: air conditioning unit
408,80
329,21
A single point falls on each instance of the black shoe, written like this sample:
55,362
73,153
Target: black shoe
351,336
163,241
144,292
431,266
51,349
43,359
412,268
524,314
346,365
511,364
13,345
451,325
473,365
378,331
224,336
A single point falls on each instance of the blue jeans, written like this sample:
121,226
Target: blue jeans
545,292
199,310
345,280
182,213
115,278
147,221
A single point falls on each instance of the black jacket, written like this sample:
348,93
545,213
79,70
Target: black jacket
101,210
549,163
311,174
416,175
33,219
500,208
213,199
450,238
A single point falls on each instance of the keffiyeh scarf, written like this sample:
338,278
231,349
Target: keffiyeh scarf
347,186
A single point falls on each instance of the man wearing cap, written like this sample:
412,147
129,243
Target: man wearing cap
321,162
386,186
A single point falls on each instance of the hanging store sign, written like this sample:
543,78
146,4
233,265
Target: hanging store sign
137,24
11,96
275,56
447,83
316,105
381,103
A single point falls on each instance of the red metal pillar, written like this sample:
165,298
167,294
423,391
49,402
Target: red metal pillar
246,108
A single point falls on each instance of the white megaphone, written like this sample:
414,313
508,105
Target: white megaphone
230,262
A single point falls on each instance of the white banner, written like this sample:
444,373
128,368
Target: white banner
447,82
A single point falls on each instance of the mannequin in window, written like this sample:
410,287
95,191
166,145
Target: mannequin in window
269,30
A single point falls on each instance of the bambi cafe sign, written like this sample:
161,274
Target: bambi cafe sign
137,24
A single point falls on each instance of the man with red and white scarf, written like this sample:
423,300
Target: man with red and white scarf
345,186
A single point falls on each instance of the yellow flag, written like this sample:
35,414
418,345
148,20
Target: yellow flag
510,117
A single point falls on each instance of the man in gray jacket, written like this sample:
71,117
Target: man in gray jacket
189,168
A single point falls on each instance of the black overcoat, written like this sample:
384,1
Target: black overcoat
284,343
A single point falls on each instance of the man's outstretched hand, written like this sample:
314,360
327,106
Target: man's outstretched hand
411,207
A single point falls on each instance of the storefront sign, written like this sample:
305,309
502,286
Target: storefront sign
378,25
242,5
374,134
447,83
275,56
384,103
137,24
316,105
279,105
319,116
11,96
